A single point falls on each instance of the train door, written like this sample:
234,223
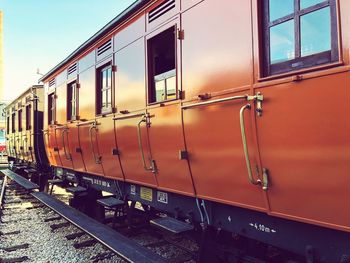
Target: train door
217,111
306,149
107,147
51,131
131,130
62,139
72,146
70,134
29,112
164,119
61,129
88,138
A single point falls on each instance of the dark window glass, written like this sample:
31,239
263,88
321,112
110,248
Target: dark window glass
13,122
72,101
51,108
8,124
28,117
162,66
19,120
104,90
299,34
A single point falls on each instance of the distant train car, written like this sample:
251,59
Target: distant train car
24,136
228,113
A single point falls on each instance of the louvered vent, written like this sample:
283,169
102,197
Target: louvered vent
106,46
52,82
72,69
160,10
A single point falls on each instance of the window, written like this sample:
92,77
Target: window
162,66
8,124
299,34
28,117
72,101
13,122
20,120
51,108
104,89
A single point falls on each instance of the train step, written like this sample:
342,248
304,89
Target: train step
110,202
28,185
123,246
55,181
171,224
76,190
30,171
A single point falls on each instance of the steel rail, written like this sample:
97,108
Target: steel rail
2,194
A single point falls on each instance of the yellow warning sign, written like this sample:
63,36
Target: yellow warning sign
146,194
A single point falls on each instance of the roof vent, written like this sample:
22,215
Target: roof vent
160,10
106,46
72,69
52,82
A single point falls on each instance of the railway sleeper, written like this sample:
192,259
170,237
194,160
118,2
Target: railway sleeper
75,235
59,225
17,247
85,243
9,233
50,219
14,260
102,256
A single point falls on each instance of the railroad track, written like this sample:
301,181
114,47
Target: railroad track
33,232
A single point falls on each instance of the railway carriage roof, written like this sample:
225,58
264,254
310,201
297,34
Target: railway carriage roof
107,28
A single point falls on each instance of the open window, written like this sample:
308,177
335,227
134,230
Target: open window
104,89
72,101
28,117
162,66
299,34
51,108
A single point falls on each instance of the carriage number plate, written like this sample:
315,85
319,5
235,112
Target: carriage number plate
162,197
146,194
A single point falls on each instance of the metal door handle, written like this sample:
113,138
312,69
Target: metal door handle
67,156
97,158
151,167
245,145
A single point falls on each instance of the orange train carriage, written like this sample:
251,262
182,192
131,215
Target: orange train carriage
229,113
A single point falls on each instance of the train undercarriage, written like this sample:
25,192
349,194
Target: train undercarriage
225,233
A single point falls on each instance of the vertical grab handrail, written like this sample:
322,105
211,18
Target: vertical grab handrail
46,134
67,156
245,145
97,158
144,119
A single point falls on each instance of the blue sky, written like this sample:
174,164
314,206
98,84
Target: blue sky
41,33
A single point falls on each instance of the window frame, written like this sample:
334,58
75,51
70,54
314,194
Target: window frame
73,85
51,108
13,122
299,62
151,87
28,116
19,118
99,110
8,124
